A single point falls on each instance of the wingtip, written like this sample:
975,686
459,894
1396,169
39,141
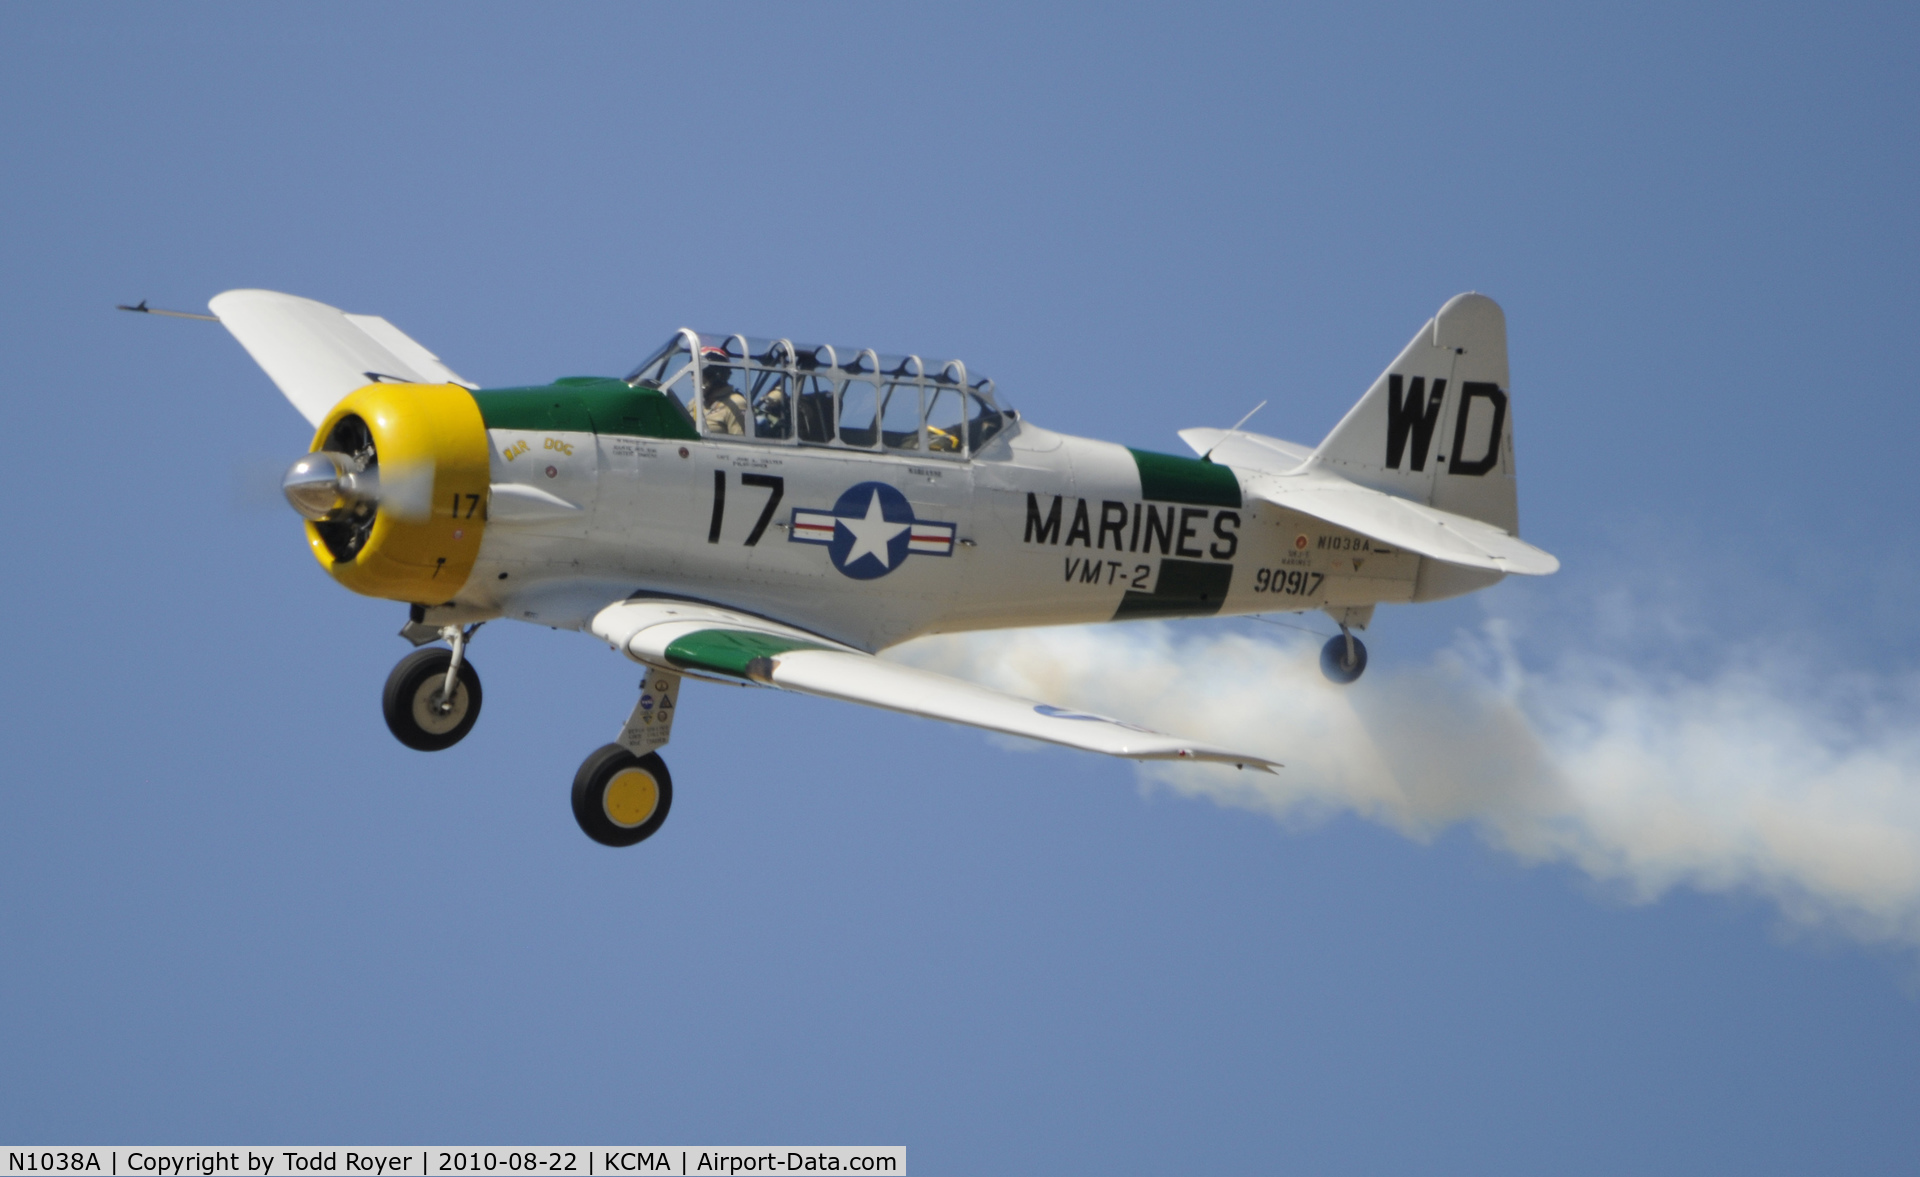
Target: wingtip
141,308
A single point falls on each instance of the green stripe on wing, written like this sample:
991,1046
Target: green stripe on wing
728,651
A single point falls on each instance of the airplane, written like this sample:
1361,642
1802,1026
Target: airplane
759,511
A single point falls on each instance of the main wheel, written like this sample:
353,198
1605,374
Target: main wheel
1336,665
620,798
418,713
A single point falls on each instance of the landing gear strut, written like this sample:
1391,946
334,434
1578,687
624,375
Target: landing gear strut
1344,658
433,696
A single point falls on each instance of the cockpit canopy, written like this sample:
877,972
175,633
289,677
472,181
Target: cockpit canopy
781,392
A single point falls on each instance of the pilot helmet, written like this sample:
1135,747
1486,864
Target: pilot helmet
713,365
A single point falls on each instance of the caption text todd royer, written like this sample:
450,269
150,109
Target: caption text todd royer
414,1161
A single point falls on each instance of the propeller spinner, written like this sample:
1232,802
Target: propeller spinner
325,485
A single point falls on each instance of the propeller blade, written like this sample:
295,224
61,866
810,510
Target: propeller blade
407,490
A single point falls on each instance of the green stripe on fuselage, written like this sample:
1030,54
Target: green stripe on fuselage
586,404
1185,588
1165,478
727,651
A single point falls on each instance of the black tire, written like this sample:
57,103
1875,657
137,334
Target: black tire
411,701
1333,660
619,798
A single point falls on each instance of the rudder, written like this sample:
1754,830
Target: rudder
1437,426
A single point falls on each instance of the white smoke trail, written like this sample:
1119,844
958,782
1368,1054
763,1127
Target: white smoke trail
1746,780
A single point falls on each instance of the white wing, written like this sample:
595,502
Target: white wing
317,353
706,639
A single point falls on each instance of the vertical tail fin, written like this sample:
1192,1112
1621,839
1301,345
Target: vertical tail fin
1437,426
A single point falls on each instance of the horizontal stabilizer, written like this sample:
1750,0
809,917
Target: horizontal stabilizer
317,354
706,639
1412,526
1247,451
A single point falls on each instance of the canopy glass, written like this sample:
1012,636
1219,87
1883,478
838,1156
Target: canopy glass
785,393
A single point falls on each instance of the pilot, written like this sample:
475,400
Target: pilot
770,415
724,407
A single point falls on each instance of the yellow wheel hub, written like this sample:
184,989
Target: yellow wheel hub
632,796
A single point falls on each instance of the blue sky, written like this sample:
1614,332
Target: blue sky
234,910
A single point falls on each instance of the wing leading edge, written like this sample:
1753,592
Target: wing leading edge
317,354
705,639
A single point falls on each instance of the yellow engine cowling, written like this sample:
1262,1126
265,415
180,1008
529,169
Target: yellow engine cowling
431,448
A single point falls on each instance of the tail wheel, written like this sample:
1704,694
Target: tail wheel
418,712
1340,665
619,798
